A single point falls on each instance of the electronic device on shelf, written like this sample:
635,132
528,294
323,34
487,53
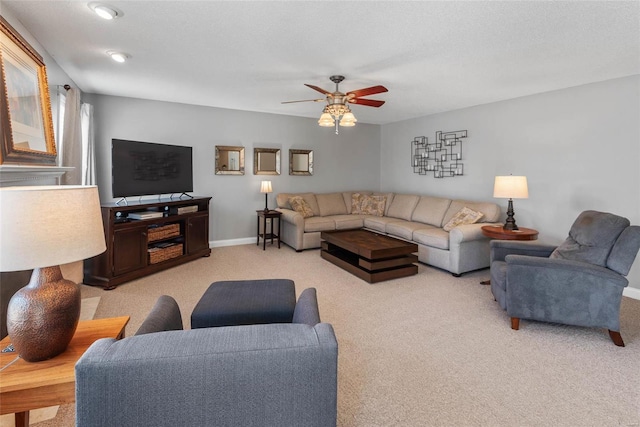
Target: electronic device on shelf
145,168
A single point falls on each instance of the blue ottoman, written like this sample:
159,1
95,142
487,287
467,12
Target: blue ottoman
245,302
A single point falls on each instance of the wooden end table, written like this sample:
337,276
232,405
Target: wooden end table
499,233
275,231
26,385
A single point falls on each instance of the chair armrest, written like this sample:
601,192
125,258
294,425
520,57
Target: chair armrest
577,269
501,248
306,310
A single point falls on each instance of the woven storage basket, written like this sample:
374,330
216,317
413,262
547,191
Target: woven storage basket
157,255
164,232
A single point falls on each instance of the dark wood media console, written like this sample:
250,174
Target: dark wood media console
177,232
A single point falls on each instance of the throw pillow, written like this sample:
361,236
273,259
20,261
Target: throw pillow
356,203
464,216
301,206
373,205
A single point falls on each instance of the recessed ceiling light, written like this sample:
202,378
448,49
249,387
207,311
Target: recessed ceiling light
105,11
118,56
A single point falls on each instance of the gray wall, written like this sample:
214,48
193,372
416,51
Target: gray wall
578,147
341,162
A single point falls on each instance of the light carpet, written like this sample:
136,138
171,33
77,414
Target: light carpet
428,350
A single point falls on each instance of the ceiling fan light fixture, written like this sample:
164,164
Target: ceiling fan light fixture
326,120
104,11
348,120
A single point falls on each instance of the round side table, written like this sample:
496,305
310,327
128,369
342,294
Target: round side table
499,233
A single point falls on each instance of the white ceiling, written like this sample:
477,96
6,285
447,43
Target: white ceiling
433,56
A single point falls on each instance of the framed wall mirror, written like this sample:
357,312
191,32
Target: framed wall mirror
25,108
266,161
229,160
300,162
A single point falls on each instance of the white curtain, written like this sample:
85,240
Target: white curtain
78,147
72,139
88,145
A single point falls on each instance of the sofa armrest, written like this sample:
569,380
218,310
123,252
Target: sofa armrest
291,216
501,248
276,374
466,233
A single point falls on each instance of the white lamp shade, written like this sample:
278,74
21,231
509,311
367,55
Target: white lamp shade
45,226
326,120
511,187
348,120
265,187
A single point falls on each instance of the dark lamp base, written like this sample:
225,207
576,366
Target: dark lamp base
42,317
511,221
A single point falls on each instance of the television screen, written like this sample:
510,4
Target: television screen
144,168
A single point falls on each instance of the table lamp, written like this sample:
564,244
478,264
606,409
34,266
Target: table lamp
265,187
42,227
510,187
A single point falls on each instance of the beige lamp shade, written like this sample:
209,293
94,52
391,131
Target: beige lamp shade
43,226
511,187
265,187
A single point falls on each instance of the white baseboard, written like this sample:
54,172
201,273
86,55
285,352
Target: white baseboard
631,292
232,242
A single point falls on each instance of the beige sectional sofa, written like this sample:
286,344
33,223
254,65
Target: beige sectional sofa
410,217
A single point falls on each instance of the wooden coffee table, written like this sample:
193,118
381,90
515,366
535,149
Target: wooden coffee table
25,385
370,256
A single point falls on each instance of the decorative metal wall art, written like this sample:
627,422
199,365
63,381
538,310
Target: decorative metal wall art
443,157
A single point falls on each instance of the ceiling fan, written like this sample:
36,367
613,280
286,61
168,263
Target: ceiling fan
337,110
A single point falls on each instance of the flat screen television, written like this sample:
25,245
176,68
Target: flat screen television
145,168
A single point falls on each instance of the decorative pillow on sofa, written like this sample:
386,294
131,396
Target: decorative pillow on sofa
373,205
301,206
356,203
464,216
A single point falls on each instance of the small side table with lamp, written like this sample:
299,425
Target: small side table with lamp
266,214
509,187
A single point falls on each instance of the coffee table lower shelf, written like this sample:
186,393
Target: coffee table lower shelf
371,271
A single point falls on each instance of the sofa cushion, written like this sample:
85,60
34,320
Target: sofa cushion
345,222
373,205
403,229
464,216
379,223
319,223
433,236
591,237
389,197
402,206
300,205
491,211
431,210
331,204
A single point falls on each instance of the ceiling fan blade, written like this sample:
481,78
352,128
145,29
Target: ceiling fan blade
367,91
304,100
319,89
367,102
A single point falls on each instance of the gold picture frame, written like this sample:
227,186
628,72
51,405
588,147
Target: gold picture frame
25,107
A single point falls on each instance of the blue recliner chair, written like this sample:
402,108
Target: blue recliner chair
577,283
